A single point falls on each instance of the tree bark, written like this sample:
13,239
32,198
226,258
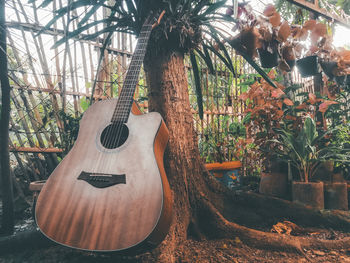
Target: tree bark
7,225
168,94
202,207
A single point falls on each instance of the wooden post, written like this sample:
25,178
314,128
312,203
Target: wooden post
7,224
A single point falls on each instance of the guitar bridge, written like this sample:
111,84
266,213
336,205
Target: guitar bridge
101,180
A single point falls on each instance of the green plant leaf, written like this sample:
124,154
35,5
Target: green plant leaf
198,84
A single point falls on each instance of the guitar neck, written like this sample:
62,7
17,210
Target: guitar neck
123,107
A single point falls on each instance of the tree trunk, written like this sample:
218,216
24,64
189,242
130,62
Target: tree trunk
168,94
202,207
7,191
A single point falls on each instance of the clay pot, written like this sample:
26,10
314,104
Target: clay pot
336,196
308,66
275,184
267,59
310,194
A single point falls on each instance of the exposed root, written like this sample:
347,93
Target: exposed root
216,226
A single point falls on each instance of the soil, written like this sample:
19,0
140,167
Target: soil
220,250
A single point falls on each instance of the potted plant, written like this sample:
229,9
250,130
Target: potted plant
265,108
309,65
218,147
306,150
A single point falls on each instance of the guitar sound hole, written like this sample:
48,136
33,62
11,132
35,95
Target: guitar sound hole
114,135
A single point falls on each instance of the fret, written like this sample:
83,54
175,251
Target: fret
124,103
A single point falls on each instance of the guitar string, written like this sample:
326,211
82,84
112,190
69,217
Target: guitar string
107,140
123,108
126,105
126,98
120,107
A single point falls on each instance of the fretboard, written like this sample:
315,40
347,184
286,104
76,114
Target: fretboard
124,104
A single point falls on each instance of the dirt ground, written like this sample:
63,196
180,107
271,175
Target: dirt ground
192,251
223,250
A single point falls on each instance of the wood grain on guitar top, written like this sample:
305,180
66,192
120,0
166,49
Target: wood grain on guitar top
74,213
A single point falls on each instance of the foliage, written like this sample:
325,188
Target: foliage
341,140
70,130
220,141
307,149
266,106
187,27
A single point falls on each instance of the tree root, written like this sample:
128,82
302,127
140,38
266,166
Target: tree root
216,226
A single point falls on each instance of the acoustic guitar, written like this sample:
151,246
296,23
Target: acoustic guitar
110,193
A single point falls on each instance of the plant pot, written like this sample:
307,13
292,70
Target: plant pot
267,59
310,194
336,196
328,67
308,66
291,63
347,81
228,173
340,80
274,184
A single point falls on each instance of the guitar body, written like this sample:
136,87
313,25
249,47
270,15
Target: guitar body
80,206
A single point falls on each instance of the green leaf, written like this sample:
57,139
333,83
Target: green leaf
207,59
310,130
198,84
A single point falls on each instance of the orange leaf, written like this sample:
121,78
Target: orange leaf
320,30
301,106
288,117
244,96
310,24
275,19
312,98
277,93
284,32
288,102
272,74
324,106
269,10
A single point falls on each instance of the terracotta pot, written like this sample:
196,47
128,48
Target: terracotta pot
267,59
310,194
275,184
308,66
336,196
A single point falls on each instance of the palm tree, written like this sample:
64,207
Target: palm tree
188,26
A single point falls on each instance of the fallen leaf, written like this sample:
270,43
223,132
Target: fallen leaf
237,240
